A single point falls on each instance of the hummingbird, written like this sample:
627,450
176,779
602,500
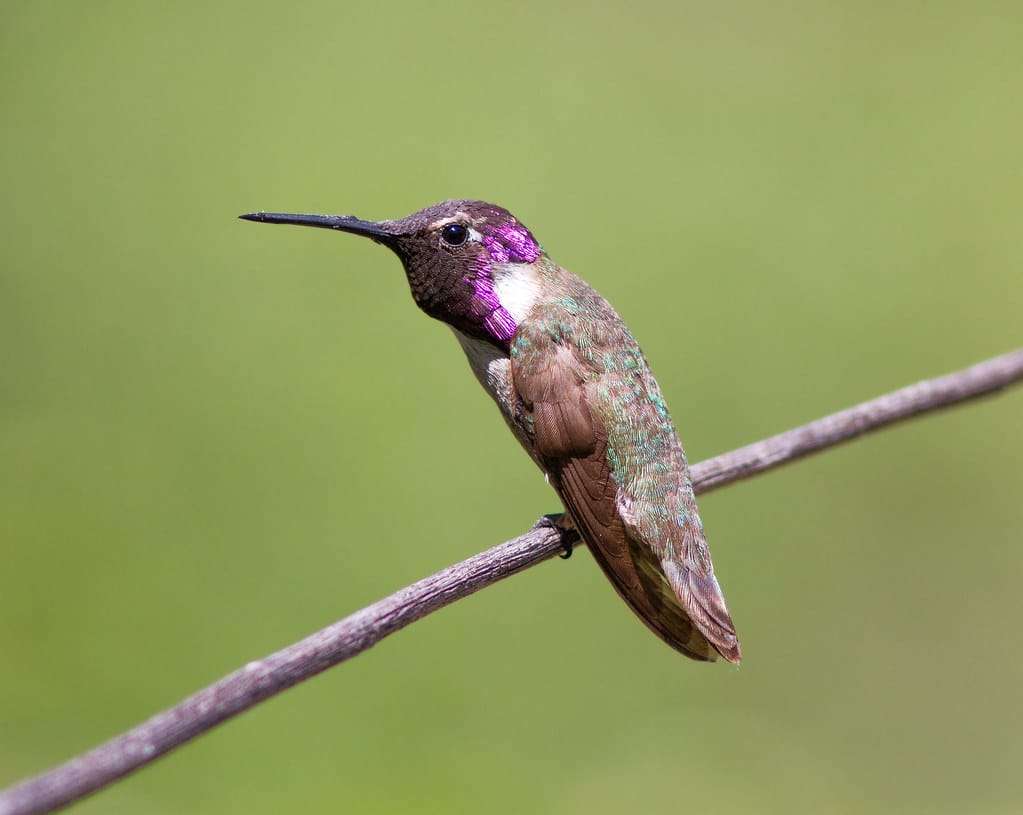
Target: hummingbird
576,391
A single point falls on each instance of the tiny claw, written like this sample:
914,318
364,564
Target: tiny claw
565,528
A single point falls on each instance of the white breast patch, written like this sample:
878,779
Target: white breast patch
517,287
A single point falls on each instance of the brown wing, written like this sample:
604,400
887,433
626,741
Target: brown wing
550,384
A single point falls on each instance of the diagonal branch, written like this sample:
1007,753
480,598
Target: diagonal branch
264,678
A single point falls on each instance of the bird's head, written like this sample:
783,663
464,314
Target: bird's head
469,263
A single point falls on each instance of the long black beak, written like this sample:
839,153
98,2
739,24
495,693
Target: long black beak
342,223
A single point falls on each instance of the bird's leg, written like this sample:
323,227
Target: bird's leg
565,527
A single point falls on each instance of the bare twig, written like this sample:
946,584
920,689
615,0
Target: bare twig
982,379
261,679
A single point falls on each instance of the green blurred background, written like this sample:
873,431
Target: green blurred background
216,437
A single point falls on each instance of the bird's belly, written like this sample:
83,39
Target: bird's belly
492,368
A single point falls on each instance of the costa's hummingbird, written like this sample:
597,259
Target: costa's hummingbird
576,391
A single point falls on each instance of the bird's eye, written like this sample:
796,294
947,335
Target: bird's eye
454,234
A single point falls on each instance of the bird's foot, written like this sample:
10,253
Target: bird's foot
564,526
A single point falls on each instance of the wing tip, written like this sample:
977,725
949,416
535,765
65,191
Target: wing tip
729,651
704,649
704,604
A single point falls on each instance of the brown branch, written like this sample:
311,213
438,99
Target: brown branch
982,379
261,679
